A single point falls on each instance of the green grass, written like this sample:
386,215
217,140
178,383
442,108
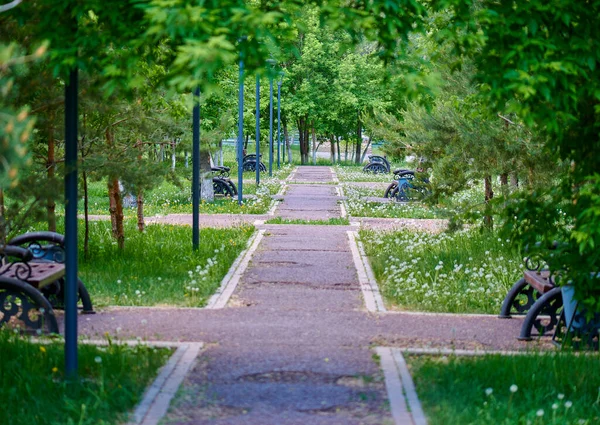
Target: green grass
158,267
168,198
110,383
551,389
357,206
464,272
333,221
355,173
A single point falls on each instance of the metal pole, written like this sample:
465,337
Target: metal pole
278,122
196,170
71,90
257,137
270,126
240,153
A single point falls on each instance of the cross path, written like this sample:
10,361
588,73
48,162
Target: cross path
295,343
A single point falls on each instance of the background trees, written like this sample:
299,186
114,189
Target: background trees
478,89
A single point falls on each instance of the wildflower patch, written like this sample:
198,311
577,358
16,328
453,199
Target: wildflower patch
464,272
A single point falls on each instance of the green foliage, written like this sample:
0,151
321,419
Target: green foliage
15,122
538,60
112,379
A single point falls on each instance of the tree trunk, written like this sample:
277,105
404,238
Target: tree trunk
140,194
339,153
50,167
314,143
116,211
489,194
173,156
246,142
114,198
303,130
140,211
514,180
364,154
358,137
187,161
286,141
332,148
207,192
530,178
504,184
346,152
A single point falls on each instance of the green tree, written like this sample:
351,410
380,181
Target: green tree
540,60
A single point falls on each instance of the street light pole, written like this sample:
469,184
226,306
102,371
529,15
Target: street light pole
71,114
279,118
196,170
270,125
240,147
257,137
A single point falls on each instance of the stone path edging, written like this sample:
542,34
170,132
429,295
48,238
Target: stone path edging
340,192
368,284
157,397
412,399
232,278
395,389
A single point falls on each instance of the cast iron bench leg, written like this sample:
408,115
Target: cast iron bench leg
24,303
513,302
548,305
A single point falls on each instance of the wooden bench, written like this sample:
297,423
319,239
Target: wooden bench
21,302
49,247
540,280
39,274
32,281
537,297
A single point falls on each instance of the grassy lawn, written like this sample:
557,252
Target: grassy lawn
168,198
354,173
542,389
333,221
357,206
111,382
158,266
464,272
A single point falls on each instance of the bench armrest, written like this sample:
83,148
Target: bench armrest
16,251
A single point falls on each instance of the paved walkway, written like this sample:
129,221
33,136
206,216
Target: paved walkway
295,343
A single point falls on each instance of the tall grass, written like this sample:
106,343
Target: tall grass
533,389
464,272
159,267
168,198
357,206
355,173
110,383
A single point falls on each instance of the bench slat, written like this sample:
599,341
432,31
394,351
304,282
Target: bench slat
42,274
539,280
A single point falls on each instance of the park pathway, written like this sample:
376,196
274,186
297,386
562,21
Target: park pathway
294,345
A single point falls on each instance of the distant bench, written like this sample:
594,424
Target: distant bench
537,297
